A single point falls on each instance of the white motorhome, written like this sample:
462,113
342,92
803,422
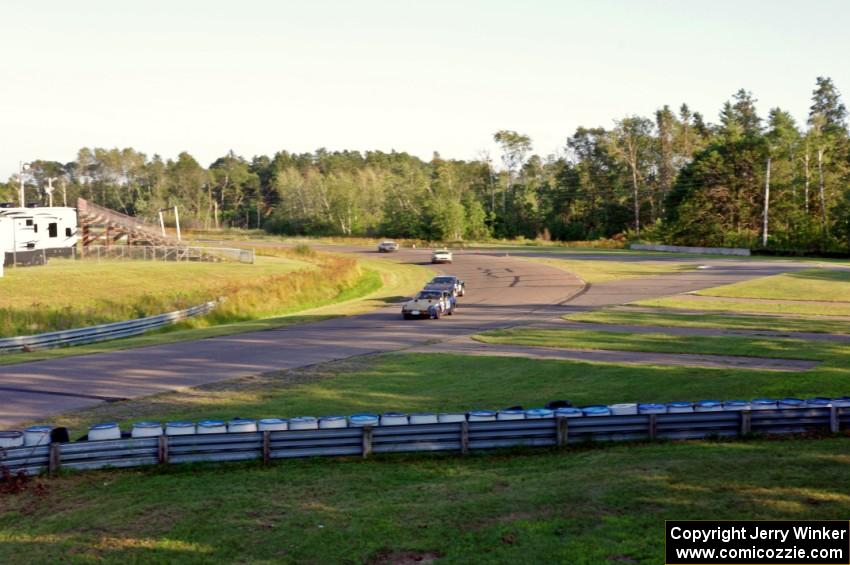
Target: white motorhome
30,235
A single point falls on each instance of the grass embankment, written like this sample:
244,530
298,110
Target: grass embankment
583,505
592,271
711,321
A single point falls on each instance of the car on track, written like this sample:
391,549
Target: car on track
441,256
449,282
429,304
387,246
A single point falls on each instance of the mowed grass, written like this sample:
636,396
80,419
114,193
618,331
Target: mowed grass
810,284
713,321
589,504
596,271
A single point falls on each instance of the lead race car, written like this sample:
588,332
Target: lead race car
429,304
447,282
441,256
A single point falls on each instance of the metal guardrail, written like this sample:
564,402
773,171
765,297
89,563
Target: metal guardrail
461,437
103,332
166,253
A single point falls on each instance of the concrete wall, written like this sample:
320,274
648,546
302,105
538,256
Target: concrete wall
699,250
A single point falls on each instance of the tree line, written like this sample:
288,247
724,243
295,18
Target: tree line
746,180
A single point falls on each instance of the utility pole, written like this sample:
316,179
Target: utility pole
64,193
49,189
177,222
766,204
21,168
161,223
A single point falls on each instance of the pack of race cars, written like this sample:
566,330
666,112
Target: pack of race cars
438,298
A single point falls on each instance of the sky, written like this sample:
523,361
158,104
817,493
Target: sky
263,76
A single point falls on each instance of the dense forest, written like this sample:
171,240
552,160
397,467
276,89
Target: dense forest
746,180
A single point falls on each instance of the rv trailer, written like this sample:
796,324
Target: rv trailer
29,236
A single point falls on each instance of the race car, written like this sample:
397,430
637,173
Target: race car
429,304
449,282
387,246
441,256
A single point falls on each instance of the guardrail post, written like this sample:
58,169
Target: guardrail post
54,460
162,449
563,431
267,451
464,437
367,441
834,423
653,426
746,422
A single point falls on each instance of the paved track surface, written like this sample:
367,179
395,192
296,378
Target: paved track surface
503,291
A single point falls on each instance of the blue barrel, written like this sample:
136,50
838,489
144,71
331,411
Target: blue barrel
792,403
481,415
678,407
596,410
511,414
568,412
819,402
763,404
360,420
212,427
650,408
841,401
273,424
538,413
736,405
708,406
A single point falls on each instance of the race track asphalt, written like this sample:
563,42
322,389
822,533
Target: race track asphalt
504,290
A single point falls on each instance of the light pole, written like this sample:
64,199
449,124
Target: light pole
21,168
49,189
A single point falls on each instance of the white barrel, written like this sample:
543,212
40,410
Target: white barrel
736,405
394,419
240,425
568,412
11,438
108,430
538,413
650,408
303,423
596,410
511,415
482,416
330,422
791,403
679,407
37,435
360,420
273,424
708,406
423,418
841,402
146,429
179,428
451,418
624,409
212,427
818,402
763,404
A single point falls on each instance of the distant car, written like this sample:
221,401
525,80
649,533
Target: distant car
451,282
387,246
441,256
429,304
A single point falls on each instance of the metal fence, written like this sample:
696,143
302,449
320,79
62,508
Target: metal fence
166,253
103,332
461,437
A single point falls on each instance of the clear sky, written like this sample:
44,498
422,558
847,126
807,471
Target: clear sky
261,76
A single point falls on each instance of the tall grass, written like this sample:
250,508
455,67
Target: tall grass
330,278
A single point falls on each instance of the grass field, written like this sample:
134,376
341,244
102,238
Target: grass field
603,271
716,321
583,505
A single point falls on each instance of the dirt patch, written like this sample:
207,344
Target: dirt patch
389,557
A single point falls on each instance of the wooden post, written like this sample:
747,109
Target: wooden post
464,437
54,461
267,452
367,441
162,451
746,422
563,431
653,426
834,423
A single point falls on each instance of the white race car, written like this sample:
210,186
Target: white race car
429,304
387,246
441,256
